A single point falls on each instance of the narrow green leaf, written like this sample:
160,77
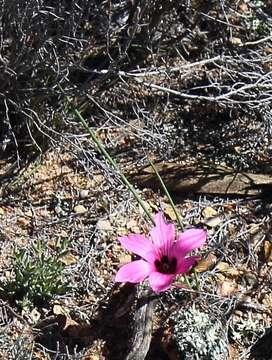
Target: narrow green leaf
167,194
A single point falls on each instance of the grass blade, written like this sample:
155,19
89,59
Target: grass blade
167,194
113,163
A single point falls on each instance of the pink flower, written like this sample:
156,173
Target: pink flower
162,258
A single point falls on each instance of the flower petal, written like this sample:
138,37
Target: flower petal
162,234
134,272
184,265
139,245
187,241
160,282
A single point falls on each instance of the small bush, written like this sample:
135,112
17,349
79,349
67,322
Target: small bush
38,276
199,336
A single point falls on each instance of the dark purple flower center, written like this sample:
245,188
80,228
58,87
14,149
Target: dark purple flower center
165,265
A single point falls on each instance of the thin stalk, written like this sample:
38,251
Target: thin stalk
167,194
187,281
196,280
113,163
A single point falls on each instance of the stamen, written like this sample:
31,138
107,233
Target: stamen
164,259
165,266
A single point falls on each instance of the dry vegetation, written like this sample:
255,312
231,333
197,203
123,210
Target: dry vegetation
187,82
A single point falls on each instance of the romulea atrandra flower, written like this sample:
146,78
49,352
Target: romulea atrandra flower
162,257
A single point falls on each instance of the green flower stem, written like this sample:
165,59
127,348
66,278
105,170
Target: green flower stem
186,279
113,163
196,280
167,194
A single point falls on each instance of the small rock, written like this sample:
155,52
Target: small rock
236,41
132,225
247,299
80,209
104,225
98,179
243,7
227,288
35,315
212,221
68,259
223,266
124,259
233,272
59,310
170,212
121,231
250,279
23,221
206,263
84,194
209,212
220,277
268,50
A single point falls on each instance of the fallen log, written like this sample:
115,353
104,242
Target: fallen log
215,180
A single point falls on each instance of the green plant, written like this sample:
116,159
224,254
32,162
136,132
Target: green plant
38,275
